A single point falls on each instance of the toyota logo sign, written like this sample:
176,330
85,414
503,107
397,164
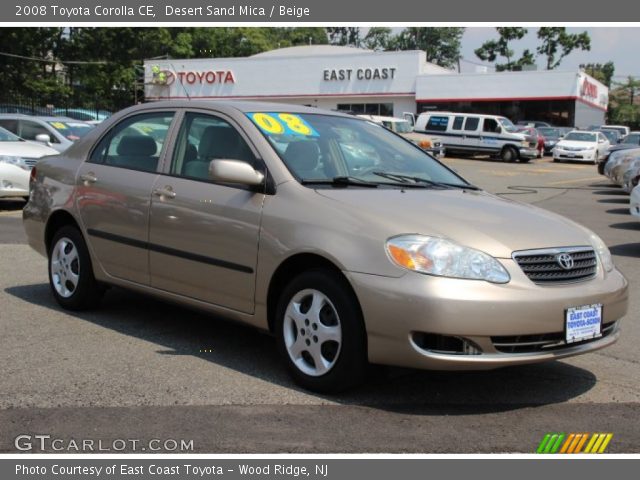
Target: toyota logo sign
565,261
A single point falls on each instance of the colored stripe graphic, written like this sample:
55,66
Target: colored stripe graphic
574,443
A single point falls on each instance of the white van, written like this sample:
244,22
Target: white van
476,134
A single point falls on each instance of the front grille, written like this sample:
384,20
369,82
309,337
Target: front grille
543,266
572,157
542,342
30,162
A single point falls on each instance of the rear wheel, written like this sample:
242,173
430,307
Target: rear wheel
320,332
70,272
509,154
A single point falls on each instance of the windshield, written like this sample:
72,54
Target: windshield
7,136
319,147
71,130
620,130
507,125
581,137
633,138
611,135
549,132
403,127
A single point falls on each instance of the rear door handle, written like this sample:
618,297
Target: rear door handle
89,177
166,192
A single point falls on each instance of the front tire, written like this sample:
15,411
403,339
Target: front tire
509,154
320,332
70,271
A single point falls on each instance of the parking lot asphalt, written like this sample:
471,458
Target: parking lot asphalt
140,368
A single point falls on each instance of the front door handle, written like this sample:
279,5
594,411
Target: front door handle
88,178
166,192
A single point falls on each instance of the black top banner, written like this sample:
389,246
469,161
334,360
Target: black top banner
281,11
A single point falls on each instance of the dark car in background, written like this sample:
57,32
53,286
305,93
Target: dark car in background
533,137
551,136
629,142
614,136
532,123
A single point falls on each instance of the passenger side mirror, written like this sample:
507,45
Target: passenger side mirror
43,138
234,171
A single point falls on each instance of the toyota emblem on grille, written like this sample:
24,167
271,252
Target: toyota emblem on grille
565,261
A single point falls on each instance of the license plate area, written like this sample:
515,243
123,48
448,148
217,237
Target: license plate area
583,323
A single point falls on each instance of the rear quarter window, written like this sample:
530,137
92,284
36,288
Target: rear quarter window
438,123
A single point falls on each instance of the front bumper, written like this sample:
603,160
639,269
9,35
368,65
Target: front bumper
396,309
14,181
576,156
526,152
435,151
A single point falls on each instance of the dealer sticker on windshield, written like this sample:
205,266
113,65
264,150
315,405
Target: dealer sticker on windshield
282,124
583,323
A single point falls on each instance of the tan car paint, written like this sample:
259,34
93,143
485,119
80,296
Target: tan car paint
347,227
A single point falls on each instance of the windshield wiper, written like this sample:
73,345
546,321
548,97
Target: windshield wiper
404,179
341,181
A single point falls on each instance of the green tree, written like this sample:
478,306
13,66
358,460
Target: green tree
556,44
378,38
492,49
344,35
442,44
603,72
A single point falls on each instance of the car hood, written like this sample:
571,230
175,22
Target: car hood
575,144
622,146
420,136
473,218
26,149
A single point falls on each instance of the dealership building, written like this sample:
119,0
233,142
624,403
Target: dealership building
380,83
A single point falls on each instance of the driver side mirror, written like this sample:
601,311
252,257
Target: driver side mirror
43,138
235,171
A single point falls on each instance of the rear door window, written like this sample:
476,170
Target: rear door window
471,124
135,143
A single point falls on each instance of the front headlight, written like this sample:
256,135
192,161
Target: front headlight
524,143
444,258
603,252
17,161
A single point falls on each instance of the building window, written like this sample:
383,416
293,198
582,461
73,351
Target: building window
382,109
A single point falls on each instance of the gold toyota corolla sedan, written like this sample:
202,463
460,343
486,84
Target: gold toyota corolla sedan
346,241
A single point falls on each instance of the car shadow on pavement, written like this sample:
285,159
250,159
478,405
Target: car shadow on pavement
626,250
621,201
181,331
619,211
635,225
617,192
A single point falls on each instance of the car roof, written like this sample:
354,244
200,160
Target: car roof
244,106
44,118
482,115
381,118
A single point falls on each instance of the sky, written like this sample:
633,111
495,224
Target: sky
617,44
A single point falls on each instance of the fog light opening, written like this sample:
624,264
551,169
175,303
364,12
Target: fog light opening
445,344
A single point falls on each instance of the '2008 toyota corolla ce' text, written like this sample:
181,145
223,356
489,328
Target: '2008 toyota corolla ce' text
346,241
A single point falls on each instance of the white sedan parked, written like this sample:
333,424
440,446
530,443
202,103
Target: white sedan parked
17,157
581,146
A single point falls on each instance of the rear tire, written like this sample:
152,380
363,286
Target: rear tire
70,271
320,332
509,154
